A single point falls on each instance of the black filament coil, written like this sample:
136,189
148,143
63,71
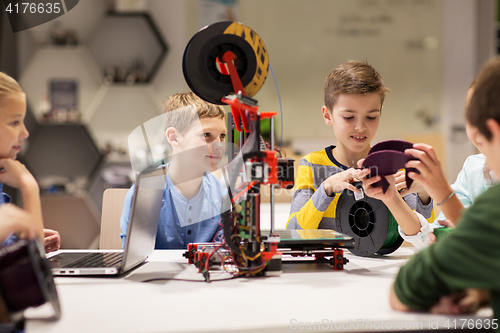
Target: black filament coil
200,67
369,222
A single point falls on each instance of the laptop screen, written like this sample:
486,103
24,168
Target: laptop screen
144,216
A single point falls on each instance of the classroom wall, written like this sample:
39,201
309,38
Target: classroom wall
401,39
426,50
469,29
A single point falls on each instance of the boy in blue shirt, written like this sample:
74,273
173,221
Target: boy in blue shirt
192,199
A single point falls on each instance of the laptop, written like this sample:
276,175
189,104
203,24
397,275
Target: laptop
141,234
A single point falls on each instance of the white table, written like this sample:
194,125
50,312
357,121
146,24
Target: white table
355,299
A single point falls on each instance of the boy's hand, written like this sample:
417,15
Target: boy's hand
15,221
342,180
52,240
431,237
431,176
377,192
15,174
465,302
447,223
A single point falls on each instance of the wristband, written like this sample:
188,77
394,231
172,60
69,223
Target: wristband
448,198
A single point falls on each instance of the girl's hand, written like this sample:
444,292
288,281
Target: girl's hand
15,174
400,182
431,176
415,187
402,213
52,240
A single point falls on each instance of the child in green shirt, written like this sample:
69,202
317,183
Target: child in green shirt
469,257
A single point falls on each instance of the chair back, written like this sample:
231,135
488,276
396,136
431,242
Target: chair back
112,205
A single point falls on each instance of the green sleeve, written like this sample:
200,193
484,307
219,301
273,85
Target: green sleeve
469,257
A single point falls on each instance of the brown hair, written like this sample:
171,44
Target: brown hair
188,107
485,102
8,86
353,77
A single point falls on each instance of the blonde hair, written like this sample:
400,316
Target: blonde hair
8,86
353,77
182,109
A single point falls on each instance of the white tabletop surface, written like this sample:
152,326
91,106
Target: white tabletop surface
304,296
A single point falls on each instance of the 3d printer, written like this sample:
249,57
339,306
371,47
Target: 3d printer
227,63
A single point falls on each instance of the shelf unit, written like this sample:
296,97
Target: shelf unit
72,152
60,62
110,46
62,151
117,109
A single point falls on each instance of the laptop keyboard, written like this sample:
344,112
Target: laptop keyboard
98,259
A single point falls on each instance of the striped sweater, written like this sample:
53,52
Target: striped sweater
312,208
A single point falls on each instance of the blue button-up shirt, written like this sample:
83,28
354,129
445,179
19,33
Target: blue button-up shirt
184,221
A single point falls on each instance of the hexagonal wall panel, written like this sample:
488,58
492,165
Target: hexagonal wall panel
74,63
112,173
117,110
82,21
62,151
26,46
125,38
